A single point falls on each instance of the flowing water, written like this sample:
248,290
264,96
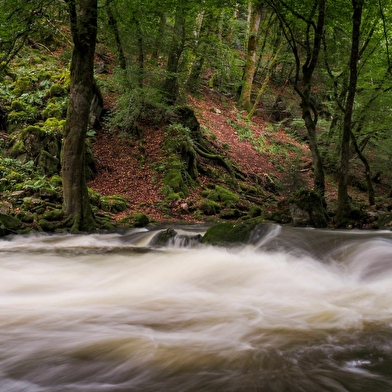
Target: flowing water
297,310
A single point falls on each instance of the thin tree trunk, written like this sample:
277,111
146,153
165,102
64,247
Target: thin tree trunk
170,86
266,81
161,34
140,58
193,81
76,204
368,175
343,201
251,57
114,27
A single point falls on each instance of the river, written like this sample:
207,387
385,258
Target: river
295,310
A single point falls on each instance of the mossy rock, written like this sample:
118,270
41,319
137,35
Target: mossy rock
17,106
230,213
228,234
22,85
223,195
25,216
48,164
46,225
53,124
15,119
209,207
163,238
136,220
5,207
56,180
53,215
33,204
113,204
56,90
173,179
255,211
307,208
384,221
18,149
9,222
95,197
52,110
172,197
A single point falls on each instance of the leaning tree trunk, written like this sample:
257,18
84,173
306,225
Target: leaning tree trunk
77,208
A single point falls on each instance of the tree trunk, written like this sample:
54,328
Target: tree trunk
201,47
251,57
170,86
77,208
343,202
114,27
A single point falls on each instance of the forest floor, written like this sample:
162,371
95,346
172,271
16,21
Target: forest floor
127,166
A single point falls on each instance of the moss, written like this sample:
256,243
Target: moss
46,225
52,110
10,222
140,220
23,85
17,106
53,124
223,195
49,164
56,180
18,149
172,197
113,204
228,234
136,220
163,238
230,213
95,197
17,118
25,216
209,207
173,179
308,208
54,215
254,212
56,90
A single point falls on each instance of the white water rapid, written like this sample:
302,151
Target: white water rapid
298,310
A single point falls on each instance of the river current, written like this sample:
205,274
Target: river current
295,310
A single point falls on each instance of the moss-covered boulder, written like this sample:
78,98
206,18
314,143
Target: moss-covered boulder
228,234
53,215
307,208
224,196
52,110
48,164
163,238
173,179
136,220
25,216
115,203
9,223
209,207
57,90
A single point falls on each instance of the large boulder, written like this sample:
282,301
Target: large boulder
307,208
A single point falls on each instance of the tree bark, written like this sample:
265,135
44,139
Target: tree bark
76,204
114,27
343,201
170,86
251,57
